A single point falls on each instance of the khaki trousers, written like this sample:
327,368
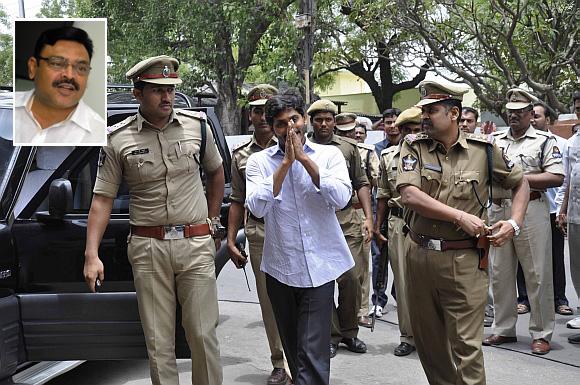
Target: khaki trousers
255,234
574,248
396,249
364,272
533,249
446,305
344,317
182,268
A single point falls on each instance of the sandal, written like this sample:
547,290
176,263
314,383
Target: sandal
564,310
523,308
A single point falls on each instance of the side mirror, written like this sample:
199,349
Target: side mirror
60,198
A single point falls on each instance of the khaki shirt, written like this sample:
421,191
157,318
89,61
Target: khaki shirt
450,177
370,162
388,176
240,157
160,167
535,152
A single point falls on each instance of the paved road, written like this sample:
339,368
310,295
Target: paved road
245,352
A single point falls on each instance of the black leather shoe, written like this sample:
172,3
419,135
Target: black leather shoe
277,377
404,349
574,339
354,345
333,350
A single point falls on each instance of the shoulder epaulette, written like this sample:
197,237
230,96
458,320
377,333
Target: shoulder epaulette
123,123
194,114
485,138
545,133
499,133
411,138
347,140
243,143
367,146
389,149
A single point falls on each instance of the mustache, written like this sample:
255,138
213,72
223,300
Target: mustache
426,124
71,81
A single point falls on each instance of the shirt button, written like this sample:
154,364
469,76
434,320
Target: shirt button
446,158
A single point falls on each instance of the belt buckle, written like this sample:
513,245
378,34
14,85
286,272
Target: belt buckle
174,232
434,244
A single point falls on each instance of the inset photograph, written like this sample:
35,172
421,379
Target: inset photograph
60,79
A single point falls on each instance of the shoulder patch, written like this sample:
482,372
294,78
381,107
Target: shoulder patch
411,138
194,114
243,143
367,146
485,138
409,162
556,152
122,124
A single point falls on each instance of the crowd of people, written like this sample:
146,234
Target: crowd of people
455,210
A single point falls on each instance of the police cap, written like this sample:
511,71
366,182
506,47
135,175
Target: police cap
156,70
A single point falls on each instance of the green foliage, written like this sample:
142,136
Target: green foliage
5,50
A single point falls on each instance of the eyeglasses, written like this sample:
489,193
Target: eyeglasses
58,63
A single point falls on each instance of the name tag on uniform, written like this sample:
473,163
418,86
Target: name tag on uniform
433,167
140,151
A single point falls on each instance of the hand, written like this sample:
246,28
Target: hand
501,232
236,256
562,223
368,230
380,238
218,244
297,145
488,127
289,155
472,225
93,269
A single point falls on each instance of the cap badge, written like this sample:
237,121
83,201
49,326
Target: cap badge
166,71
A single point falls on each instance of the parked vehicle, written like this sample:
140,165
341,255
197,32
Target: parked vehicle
46,310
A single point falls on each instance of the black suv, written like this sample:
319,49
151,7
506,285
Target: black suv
46,310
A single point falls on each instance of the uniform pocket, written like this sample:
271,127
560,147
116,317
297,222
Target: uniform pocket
141,166
430,181
187,154
465,181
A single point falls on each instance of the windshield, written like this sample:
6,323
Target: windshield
6,147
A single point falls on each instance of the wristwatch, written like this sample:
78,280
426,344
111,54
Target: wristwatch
514,224
216,228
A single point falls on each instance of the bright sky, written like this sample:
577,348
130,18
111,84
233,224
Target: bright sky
31,7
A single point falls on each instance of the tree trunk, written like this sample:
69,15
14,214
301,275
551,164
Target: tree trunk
227,108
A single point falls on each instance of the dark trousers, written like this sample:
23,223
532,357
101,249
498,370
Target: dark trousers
382,294
559,271
303,317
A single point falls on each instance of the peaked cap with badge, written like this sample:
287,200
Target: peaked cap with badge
345,121
518,99
259,95
434,91
410,115
323,105
156,70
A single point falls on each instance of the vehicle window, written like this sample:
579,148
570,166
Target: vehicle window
6,148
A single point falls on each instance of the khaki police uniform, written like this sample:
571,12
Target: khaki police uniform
254,229
370,164
396,237
449,293
535,152
161,169
344,320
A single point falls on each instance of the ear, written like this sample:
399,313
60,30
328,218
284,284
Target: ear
455,113
32,67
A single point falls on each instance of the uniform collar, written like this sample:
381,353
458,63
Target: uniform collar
141,119
531,132
461,141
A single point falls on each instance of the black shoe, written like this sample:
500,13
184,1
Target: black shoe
354,345
333,350
404,349
574,339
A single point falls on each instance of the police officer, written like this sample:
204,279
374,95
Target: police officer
174,226
539,156
443,179
347,125
408,122
263,138
344,321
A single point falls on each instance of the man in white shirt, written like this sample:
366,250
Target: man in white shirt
53,112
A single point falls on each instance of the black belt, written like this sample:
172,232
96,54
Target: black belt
348,205
260,220
397,212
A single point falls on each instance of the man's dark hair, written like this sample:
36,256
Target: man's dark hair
575,96
548,113
289,99
450,103
364,127
466,110
390,112
139,85
51,36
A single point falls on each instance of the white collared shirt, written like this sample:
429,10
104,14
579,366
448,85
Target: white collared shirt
82,127
303,244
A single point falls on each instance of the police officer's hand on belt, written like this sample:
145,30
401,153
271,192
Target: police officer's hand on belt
472,225
501,232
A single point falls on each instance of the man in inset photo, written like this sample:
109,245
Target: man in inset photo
53,112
